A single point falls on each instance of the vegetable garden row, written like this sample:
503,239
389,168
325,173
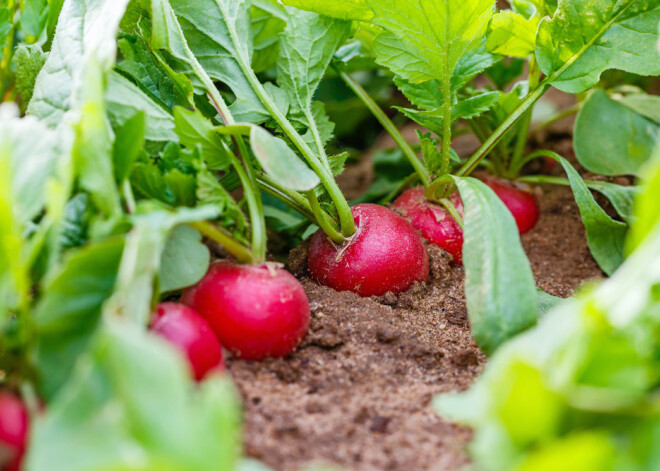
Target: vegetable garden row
159,158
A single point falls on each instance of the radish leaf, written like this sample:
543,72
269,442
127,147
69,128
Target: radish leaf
184,261
574,48
499,285
512,34
340,9
611,138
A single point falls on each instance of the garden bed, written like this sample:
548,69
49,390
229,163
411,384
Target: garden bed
358,391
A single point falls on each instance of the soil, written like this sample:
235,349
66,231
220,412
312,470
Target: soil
358,392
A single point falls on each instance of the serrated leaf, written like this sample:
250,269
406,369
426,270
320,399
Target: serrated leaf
211,192
426,39
499,285
85,34
185,260
28,60
604,34
124,99
605,236
281,163
338,162
511,34
340,9
612,139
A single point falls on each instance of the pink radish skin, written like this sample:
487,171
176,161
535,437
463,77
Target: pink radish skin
14,427
521,203
192,335
433,221
384,255
256,312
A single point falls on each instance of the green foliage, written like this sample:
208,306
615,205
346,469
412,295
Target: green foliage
184,261
611,138
341,9
499,285
28,61
616,34
512,34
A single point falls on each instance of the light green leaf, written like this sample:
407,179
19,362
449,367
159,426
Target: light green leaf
124,99
280,162
605,236
621,197
647,205
512,34
184,261
194,129
68,312
426,39
586,37
211,192
308,44
129,139
6,27
642,104
546,302
610,138
499,285
108,417
86,32
340,9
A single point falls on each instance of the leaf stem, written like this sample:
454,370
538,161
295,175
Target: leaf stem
526,121
502,129
446,118
289,197
451,209
323,220
327,179
389,126
224,238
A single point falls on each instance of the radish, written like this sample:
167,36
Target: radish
384,255
190,333
256,311
14,427
521,203
433,221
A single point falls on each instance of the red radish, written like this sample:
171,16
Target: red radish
433,221
191,334
14,427
521,203
256,312
385,254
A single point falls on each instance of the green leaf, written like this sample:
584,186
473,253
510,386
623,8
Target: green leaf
86,32
605,236
621,197
340,9
268,21
546,302
124,100
213,38
145,68
280,162
172,187
647,205
75,224
586,37
194,129
68,312
129,139
34,16
28,60
184,261
499,285
426,39
642,104
512,34
108,417
308,44
610,138
211,192
6,27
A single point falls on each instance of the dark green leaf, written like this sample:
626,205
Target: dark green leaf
194,129
499,285
211,192
28,60
76,222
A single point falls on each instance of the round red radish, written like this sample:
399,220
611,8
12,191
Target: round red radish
13,431
192,335
256,312
433,221
521,203
385,254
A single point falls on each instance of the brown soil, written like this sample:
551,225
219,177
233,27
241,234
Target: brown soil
357,393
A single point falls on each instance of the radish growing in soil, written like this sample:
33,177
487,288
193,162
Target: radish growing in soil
190,333
385,254
521,203
14,427
255,311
